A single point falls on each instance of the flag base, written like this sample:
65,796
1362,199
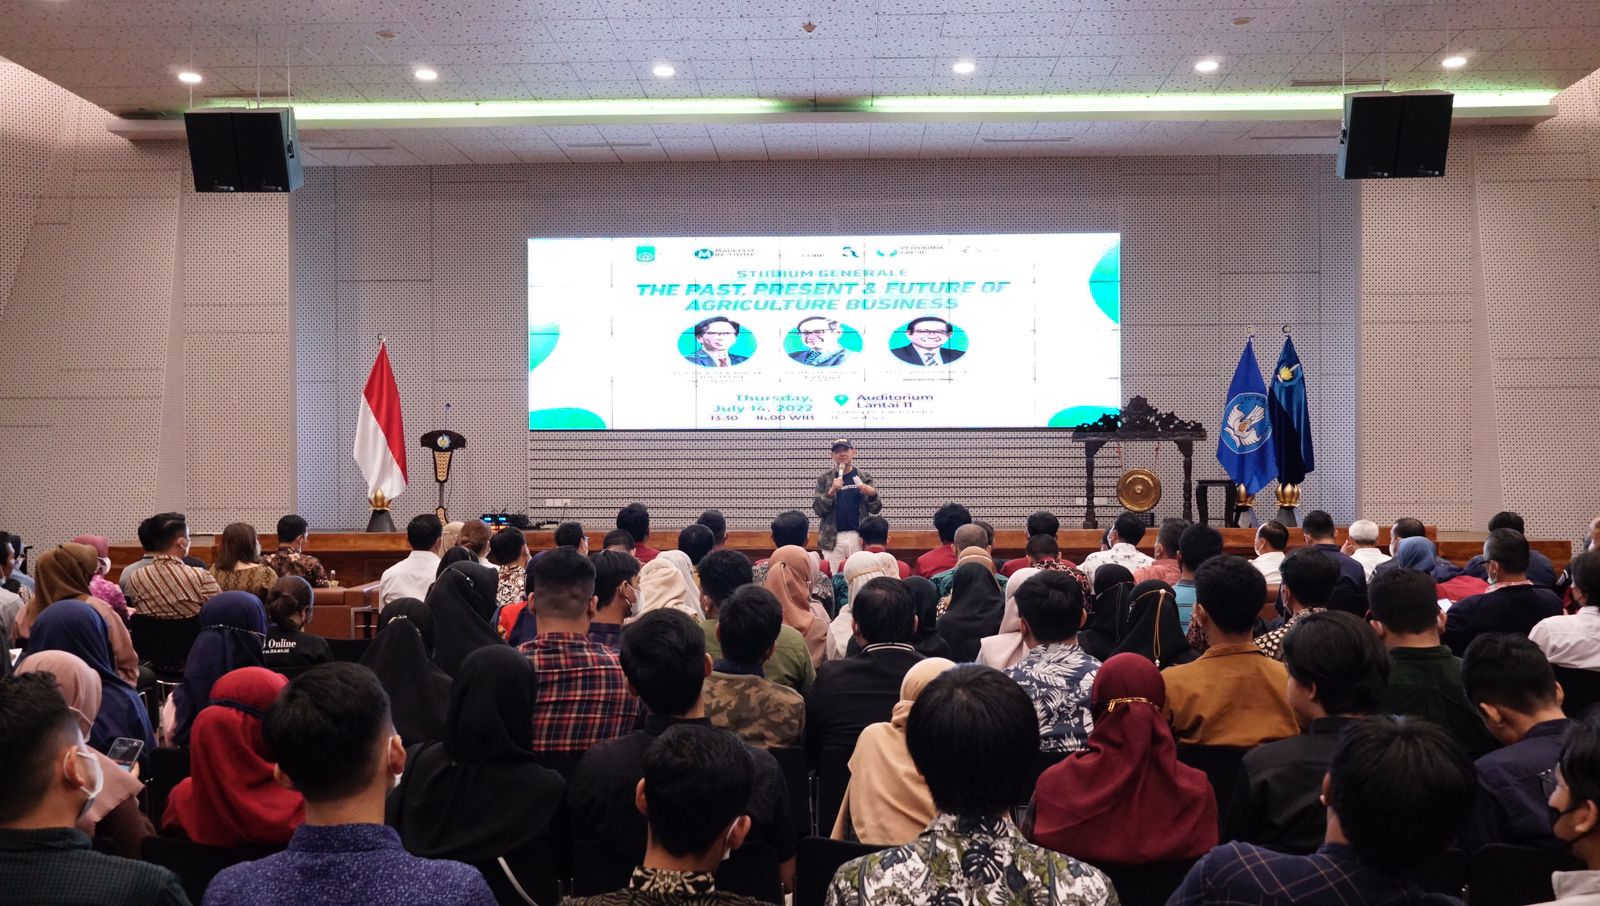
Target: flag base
1288,498
1285,517
381,520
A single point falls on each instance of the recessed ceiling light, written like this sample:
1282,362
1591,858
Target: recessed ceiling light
964,67
1455,62
663,71
1206,66
189,78
425,74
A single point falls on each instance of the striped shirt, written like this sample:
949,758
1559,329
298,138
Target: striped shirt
170,589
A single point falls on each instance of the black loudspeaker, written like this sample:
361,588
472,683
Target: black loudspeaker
234,150
1394,135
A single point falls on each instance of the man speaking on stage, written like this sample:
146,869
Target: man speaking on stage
844,497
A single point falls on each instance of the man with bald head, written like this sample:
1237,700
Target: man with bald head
971,535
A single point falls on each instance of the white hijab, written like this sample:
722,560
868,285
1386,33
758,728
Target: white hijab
663,584
861,568
1003,650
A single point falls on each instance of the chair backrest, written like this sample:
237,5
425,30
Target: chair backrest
533,873
1446,873
597,870
817,860
1149,884
196,865
163,644
1582,688
1504,875
1042,761
167,766
349,650
563,763
797,777
1222,767
833,775
753,872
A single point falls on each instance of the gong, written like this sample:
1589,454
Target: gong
1139,490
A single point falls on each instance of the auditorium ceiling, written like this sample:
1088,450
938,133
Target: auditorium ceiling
588,81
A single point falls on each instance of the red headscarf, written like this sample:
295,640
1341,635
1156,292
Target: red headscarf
1124,799
229,798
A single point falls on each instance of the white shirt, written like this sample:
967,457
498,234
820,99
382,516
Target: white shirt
410,578
1575,888
1570,641
1369,558
1122,554
11,605
1268,564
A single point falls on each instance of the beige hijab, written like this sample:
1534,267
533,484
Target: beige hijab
975,555
887,801
663,587
80,686
1005,649
862,567
789,579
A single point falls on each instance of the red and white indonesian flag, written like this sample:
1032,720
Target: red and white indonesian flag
380,436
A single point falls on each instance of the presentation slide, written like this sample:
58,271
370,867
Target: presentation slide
958,331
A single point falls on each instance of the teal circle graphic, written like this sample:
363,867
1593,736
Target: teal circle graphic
542,339
565,419
1073,416
744,345
849,338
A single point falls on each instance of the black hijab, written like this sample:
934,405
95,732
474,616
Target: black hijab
454,555
478,795
976,608
463,605
1153,630
1113,585
419,692
925,598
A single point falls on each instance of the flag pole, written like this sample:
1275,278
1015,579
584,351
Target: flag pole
381,519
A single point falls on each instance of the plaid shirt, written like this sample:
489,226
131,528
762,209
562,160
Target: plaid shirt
289,562
170,589
583,698
1239,874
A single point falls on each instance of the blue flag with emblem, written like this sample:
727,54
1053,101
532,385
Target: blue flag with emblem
1291,417
1244,446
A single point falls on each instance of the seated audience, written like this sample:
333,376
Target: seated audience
635,520
48,781
1337,671
1307,579
788,577
402,658
1417,553
462,602
663,654
972,546
1196,545
571,534
664,586
478,795
149,543
508,548
977,606
1510,682
1008,646
413,576
695,541
721,574
99,586
859,569
1574,640
792,528
238,564
291,558
63,574
230,798
616,592
11,602
925,601
1398,792
971,853
1039,551
475,536
289,648
233,631
874,532
862,689
1126,532
1424,677
114,814
1361,545
718,524
452,556
1233,695
946,520
1153,630
1124,798
1271,546
616,540
1540,571
738,696
1043,522
335,744
1108,611
1165,566
1512,604
1350,594
80,630
1056,673
583,696
1575,814
886,802
694,792
168,588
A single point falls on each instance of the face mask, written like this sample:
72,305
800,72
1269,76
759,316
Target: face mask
105,565
96,785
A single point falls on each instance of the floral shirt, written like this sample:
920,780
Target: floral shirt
1058,677
290,562
977,861
513,585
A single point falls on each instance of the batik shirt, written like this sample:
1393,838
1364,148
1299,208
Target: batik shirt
1272,642
290,562
659,886
976,861
1058,677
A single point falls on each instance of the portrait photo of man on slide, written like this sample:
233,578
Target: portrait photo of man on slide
716,336
821,337
928,337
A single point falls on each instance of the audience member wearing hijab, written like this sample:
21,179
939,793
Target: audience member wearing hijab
115,813
789,578
976,606
927,641
1154,631
663,586
1417,553
479,795
1108,618
1125,799
685,567
99,586
233,627
80,630
458,554
861,567
63,574
1007,647
463,602
402,657
887,802
229,798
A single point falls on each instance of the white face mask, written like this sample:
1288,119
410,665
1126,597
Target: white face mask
95,786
